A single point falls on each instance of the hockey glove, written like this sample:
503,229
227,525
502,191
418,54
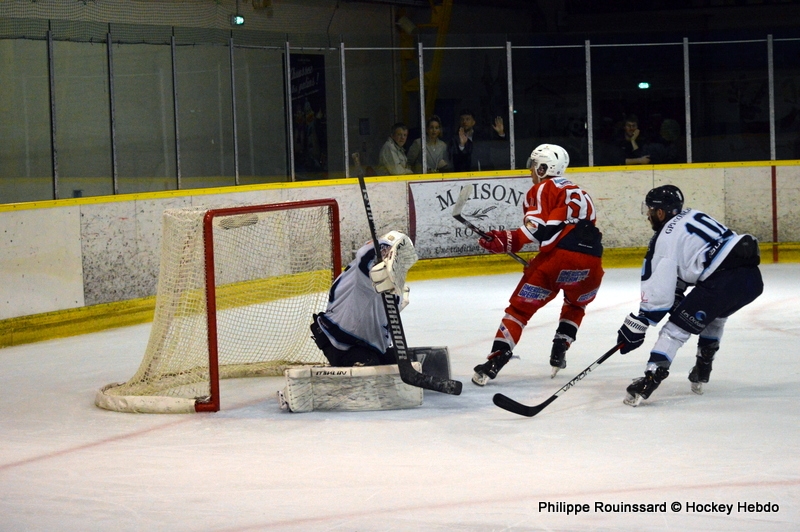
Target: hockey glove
382,278
632,332
502,242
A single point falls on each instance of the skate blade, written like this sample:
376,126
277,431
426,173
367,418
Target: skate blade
697,387
480,379
632,400
553,371
283,402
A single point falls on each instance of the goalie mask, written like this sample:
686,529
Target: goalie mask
549,160
399,256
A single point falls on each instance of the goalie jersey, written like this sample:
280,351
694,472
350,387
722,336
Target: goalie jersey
691,246
355,312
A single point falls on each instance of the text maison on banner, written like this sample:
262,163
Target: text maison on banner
495,203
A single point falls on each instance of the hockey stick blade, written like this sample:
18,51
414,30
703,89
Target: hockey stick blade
408,374
506,403
463,196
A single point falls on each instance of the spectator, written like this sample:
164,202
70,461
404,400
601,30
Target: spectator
631,143
392,159
671,145
469,149
435,149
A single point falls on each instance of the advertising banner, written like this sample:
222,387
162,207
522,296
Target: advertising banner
494,203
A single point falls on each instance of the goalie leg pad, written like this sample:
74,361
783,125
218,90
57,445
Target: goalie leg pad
353,389
434,360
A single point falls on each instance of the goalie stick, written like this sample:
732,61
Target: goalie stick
408,374
463,196
506,403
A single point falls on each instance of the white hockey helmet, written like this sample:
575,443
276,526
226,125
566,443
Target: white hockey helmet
554,160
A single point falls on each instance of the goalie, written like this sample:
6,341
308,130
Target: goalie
353,330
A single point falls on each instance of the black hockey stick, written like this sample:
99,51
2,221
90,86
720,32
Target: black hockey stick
506,403
459,206
408,374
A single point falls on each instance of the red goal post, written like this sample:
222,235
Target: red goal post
236,292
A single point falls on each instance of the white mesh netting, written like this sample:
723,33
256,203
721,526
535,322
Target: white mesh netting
272,271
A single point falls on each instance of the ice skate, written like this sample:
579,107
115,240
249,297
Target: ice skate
558,356
642,387
490,368
702,368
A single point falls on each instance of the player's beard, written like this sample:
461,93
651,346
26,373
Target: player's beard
654,222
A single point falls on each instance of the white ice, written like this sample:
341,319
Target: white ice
455,463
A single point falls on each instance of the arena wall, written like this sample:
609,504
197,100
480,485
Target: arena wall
66,256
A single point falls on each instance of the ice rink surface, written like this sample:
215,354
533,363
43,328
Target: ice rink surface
455,463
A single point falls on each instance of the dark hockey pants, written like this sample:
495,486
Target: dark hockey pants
719,296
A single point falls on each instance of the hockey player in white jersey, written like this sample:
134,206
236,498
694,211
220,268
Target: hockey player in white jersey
353,330
689,248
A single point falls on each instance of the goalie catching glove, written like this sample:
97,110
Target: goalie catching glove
398,257
502,242
632,332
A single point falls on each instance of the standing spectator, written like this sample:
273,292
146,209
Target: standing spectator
435,149
469,149
632,142
561,217
392,159
689,247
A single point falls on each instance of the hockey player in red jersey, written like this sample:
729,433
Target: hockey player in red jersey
561,217
689,248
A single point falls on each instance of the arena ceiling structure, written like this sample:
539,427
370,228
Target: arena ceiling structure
615,16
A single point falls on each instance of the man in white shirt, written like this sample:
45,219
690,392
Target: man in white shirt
392,159
689,248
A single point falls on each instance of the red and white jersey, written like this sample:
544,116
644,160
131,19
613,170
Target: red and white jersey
552,208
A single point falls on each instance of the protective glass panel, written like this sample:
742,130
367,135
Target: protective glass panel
144,117
205,115
26,172
82,119
730,101
472,78
550,101
371,97
787,98
317,127
643,86
260,116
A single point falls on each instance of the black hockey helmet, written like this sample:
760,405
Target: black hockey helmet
666,197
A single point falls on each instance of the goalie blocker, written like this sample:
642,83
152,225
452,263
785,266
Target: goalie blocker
360,388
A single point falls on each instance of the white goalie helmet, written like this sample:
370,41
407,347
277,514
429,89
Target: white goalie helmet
554,158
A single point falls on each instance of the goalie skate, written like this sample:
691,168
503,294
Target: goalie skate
282,401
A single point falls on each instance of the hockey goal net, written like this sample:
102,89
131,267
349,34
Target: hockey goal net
237,288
